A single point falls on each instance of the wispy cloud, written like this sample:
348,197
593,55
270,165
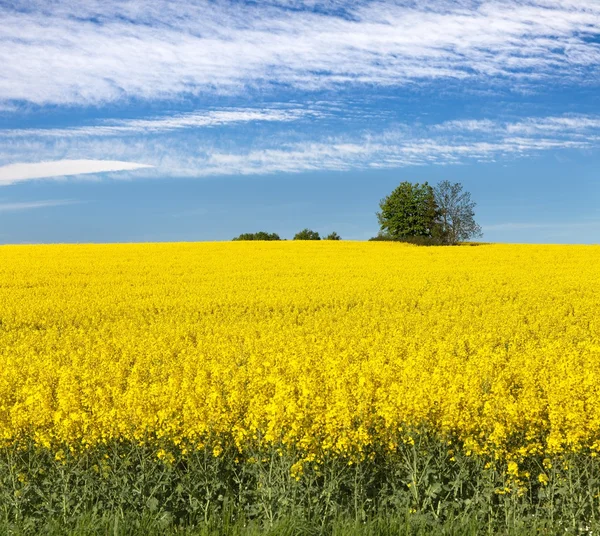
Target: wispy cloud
169,123
556,125
30,205
468,125
165,154
339,156
6,107
566,125
94,52
13,173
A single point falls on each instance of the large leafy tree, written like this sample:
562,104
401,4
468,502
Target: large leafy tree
409,211
456,213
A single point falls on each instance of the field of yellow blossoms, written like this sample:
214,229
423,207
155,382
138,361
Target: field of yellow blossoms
326,348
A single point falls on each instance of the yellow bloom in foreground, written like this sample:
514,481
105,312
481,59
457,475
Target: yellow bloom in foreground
328,349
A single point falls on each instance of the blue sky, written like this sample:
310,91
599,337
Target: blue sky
166,121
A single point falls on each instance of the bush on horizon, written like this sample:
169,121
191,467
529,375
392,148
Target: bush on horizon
261,235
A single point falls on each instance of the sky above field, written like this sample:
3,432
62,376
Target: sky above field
168,121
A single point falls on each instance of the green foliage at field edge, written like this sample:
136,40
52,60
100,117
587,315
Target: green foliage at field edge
122,488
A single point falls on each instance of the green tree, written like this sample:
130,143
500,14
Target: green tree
456,213
261,235
333,236
409,211
307,234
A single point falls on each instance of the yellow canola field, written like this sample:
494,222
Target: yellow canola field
325,347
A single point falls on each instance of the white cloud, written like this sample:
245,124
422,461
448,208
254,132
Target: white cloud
468,125
362,154
555,125
13,173
168,123
564,126
29,205
7,108
94,52
168,155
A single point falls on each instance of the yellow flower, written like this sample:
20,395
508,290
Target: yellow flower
297,470
329,349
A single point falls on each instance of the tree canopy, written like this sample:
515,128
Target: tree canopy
443,214
409,211
456,213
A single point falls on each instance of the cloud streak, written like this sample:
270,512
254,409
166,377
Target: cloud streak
97,52
564,126
18,172
30,205
170,123
376,153
164,153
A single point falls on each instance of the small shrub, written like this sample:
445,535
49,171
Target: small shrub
261,235
416,240
307,234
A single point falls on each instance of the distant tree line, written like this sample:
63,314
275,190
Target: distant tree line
305,234
261,235
443,214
